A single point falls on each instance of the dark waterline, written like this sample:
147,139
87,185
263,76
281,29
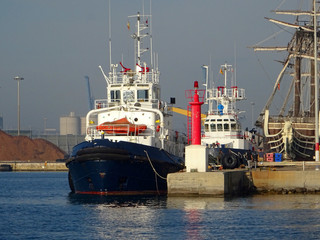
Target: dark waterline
39,205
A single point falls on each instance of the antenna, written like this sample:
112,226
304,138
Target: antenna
235,64
110,61
138,39
151,50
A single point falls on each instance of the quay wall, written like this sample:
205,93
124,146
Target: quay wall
242,182
36,166
306,181
217,183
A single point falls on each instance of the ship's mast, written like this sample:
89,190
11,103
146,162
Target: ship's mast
300,47
109,28
304,45
222,95
142,24
226,68
138,39
316,84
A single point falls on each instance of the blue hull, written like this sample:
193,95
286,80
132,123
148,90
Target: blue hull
120,168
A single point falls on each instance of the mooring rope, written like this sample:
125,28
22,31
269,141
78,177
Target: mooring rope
153,167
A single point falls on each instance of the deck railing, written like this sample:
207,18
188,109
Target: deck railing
299,165
130,77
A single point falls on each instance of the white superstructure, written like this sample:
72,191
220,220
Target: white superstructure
133,111
222,126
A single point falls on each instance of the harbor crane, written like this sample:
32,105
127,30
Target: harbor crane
90,98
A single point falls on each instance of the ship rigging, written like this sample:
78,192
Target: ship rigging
293,130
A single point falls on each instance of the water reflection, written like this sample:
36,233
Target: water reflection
117,201
200,217
283,202
199,203
262,202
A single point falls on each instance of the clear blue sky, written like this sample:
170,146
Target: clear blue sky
54,44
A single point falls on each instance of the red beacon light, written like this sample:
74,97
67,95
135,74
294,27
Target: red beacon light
196,84
196,116
195,97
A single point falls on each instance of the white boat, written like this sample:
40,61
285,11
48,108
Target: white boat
222,128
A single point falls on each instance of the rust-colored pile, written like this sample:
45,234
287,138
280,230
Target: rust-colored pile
23,148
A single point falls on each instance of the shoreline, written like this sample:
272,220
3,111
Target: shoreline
32,166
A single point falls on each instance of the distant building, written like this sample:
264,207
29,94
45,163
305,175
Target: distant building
83,126
70,125
1,122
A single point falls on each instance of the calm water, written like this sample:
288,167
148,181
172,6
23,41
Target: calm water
39,206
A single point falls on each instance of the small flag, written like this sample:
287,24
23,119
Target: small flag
221,71
278,86
128,25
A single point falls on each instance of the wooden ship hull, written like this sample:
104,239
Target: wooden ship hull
294,137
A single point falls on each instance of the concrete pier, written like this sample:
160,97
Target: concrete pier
286,181
218,183
285,178
36,166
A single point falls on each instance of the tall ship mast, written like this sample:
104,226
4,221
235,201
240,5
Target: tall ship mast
292,129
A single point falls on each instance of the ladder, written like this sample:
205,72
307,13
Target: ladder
189,123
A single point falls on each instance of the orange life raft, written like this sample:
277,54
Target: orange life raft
121,126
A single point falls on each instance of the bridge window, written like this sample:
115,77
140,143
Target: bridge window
213,127
226,126
219,127
143,95
115,96
206,127
233,127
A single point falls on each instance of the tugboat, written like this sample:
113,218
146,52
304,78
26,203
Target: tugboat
130,145
223,134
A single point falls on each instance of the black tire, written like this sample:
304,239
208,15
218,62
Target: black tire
229,161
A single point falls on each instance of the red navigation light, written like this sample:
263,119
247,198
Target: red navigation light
196,85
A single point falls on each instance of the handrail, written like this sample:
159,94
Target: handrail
128,77
303,164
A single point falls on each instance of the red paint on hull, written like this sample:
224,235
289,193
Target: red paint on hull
123,193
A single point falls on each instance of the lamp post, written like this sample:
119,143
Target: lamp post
17,78
45,126
252,105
